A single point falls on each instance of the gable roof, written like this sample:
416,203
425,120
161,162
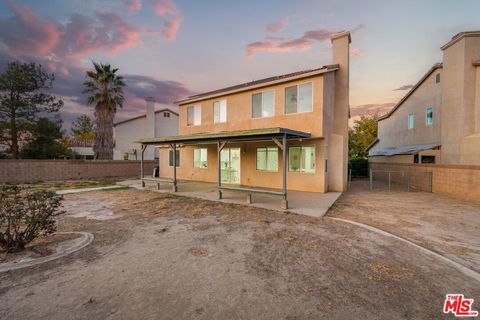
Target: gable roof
259,83
144,115
374,142
459,36
409,93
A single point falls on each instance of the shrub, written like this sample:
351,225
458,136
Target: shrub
359,167
24,215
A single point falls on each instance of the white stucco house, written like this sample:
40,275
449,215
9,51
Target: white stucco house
153,124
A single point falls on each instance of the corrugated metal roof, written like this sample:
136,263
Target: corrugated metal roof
392,151
226,135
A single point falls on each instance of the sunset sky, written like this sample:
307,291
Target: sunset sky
169,49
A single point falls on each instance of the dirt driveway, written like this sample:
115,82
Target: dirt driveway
158,256
442,224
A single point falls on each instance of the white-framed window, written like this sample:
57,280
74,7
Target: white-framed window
411,120
301,159
194,115
177,158
267,159
299,98
220,111
263,104
429,116
200,158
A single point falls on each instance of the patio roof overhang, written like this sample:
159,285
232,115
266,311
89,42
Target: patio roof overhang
231,136
279,135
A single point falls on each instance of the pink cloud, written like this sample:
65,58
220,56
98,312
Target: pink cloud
279,44
133,5
302,43
169,10
122,34
171,28
164,7
278,26
107,31
28,33
357,52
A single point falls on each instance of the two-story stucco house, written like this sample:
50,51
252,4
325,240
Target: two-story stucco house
438,120
270,135
155,123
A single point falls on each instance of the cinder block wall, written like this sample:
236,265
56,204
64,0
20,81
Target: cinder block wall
459,181
15,171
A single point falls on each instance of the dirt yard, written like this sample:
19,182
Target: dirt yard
158,256
440,223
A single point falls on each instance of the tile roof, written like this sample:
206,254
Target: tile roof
258,83
144,115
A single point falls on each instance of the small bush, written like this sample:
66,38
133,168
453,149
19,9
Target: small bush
24,215
359,167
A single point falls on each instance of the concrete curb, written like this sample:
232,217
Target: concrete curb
70,191
464,269
87,239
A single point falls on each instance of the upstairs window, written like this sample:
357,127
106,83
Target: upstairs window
194,115
263,104
177,158
410,120
437,78
267,159
220,111
200,158
301,159
299,98
429,116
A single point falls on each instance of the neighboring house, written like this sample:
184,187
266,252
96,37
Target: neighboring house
83,148
438,121
159,123
288,131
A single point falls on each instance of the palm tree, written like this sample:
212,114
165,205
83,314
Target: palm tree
106,92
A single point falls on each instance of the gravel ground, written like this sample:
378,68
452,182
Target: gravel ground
448,226
161,256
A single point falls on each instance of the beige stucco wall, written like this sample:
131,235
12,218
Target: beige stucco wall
239,112
338,131
460,133
249,175
393,131
327,123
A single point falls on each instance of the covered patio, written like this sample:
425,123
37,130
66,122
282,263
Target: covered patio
280,136
312,204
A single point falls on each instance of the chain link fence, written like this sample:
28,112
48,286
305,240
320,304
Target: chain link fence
418,180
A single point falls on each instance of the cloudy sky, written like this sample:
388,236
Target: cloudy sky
169,49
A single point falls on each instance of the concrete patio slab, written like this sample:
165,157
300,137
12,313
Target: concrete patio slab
312,204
